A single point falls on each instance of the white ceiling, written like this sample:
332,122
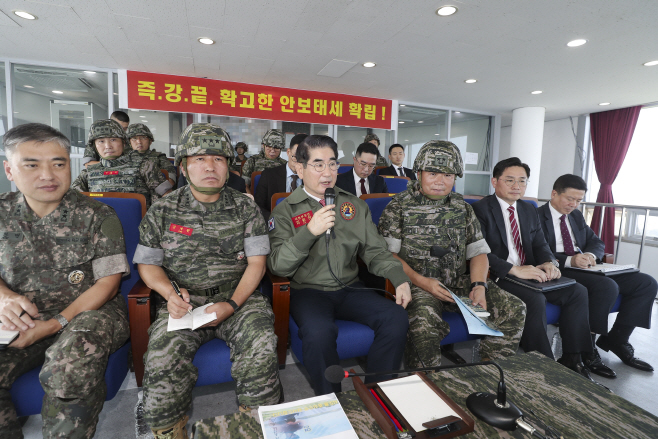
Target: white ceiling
511,47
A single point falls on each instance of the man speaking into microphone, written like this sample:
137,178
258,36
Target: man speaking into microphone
299,229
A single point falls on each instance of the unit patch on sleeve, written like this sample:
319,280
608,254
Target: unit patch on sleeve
347,211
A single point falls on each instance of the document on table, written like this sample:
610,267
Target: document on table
6,337
416,401
474,323
192,321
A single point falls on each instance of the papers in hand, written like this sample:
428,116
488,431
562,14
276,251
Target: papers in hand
416,401
474,323
6,337
312,418
192,321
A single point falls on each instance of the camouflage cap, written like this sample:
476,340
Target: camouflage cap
370,137
439,156
139,129
105,128
241,145
204,139
274,139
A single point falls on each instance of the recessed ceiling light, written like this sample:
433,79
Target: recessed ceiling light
115,94
445,11
471,81
406,140
88,117
402,105
145,121
369,64
204,40
401,122
458,112
25,15
90,72
58,92
15,112
420,121
536,92
603,104
576,43
28,86
436,134
650,63
142,116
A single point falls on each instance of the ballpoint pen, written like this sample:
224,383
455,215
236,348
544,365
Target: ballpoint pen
581,252
177,290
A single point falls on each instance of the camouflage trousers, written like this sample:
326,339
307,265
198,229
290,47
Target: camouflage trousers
427,328
72,375
170,376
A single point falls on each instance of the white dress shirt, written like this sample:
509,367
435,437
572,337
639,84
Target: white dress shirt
513,257
357,183
289,175
559,243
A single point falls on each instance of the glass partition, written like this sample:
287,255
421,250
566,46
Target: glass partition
349,139
417,126
165,127
5,185
472,134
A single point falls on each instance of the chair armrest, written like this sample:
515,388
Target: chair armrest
139,313
608,258
281,309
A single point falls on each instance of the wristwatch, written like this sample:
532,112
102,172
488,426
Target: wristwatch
556,263
62,321
477,284
234,305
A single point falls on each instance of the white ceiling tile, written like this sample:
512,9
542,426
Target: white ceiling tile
5,19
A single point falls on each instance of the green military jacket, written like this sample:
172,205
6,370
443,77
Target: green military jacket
301,256
132,172
162,162
412,223
54,259
257,163
202,246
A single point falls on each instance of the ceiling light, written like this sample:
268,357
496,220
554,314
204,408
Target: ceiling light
204,40
536,92
15,112
420,121
115,94
650,63
458,112
25,15
28,86
436,134
471,81
603,104
142,116
445,11
576,43
90,72
402,105
401,122
406,140
145,121
369,64
58,92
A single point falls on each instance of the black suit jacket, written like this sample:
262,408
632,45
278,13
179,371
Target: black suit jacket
392,171
491,218
377,185
586,239
272,181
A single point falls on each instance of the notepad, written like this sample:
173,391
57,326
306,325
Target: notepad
609,269
6,337
196,319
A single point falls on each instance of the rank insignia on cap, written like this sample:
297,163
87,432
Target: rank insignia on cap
240,256
347,211
76,276
111,173
270,224
180,229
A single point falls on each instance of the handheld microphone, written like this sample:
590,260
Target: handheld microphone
329,198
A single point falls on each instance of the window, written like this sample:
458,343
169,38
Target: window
420,126
165,127
349,139
5,185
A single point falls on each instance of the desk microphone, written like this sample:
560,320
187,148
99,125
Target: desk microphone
329,198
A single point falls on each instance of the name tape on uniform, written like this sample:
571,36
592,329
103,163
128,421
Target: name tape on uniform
180,229
302,219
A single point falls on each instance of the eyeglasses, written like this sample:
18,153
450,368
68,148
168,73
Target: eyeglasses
320,167
509,182
367,165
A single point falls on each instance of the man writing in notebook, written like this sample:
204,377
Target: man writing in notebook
518,247
576,245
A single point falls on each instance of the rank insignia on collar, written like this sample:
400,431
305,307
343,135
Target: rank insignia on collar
347,211
180,229
76,276
270,224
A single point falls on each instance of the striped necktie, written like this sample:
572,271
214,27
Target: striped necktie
516,236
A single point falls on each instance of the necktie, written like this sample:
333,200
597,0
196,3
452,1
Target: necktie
322,203
293,185
516,235
566,237
401,172
363,187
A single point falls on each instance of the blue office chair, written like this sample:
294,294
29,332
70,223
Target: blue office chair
345,168
255,178
26,392
396,185
376,203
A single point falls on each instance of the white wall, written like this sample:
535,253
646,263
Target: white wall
558,152
629,252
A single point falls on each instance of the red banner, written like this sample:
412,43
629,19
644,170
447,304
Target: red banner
183,94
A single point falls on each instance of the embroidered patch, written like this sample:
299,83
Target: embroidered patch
111,173
270,224
180,229
347,211
240,256
302,219
11,236
76,276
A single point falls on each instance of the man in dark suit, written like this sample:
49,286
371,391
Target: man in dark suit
396,155
574,244
281,178
512,230
361,180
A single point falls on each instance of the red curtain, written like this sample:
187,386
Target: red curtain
611,132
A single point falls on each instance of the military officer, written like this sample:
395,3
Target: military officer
212,241
374,139
434,232
240,156
299,251
120,169
62,255
140,138
269,157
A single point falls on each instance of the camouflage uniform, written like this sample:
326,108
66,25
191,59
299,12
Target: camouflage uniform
161,160
237,164
204,248
38,256
259,162
381,160
411,224
102,128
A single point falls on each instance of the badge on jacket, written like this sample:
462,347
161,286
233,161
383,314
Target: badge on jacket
76,276
347,211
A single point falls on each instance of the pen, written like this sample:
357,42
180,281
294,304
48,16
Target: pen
581,252
177,290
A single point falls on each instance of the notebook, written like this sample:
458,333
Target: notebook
608,269
192,321
6,337
541,287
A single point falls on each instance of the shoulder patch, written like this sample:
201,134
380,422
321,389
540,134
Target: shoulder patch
347,211
270,224
111,228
